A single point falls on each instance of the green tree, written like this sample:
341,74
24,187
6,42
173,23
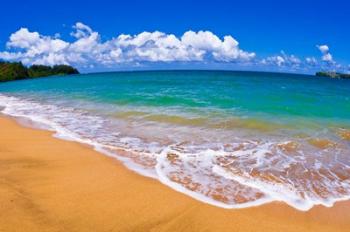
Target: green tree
39,71
16,71
12,71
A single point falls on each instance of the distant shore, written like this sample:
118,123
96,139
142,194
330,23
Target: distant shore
333,75
54,185
11,71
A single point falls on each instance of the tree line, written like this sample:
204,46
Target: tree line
10,71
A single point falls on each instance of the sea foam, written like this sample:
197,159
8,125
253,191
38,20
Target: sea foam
243,173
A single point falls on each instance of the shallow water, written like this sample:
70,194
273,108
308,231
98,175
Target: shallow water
232,139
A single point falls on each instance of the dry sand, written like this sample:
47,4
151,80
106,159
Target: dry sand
48,184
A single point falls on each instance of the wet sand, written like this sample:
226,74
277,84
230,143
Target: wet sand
47,184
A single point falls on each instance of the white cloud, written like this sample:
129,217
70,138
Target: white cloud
326,55
274,60
34,48
23,38
323,48
282,60
311,61
81,30
88,49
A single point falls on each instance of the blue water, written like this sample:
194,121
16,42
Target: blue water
232,139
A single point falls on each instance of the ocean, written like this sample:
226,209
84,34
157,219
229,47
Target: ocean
230,139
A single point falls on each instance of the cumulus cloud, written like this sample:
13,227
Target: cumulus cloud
34,48
328,63
292,62
81,30
323,48
312,61
282,60
274,60
88,49
326,55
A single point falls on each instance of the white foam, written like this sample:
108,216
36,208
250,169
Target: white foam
208,170
199,196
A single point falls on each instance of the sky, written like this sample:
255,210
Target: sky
291,36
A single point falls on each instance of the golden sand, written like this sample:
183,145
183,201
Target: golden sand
345,134
48,184
322,143
288,147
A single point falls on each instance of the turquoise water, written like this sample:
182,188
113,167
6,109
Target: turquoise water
267,96
232,139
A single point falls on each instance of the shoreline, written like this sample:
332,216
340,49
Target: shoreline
49,184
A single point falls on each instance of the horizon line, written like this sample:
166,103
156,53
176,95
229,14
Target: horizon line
200,70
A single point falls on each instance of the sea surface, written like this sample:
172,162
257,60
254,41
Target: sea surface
230,139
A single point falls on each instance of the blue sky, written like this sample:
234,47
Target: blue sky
269,29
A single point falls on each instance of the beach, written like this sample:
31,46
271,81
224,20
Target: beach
49,184
232,148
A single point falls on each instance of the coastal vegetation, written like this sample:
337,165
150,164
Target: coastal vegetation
10,71
333,75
